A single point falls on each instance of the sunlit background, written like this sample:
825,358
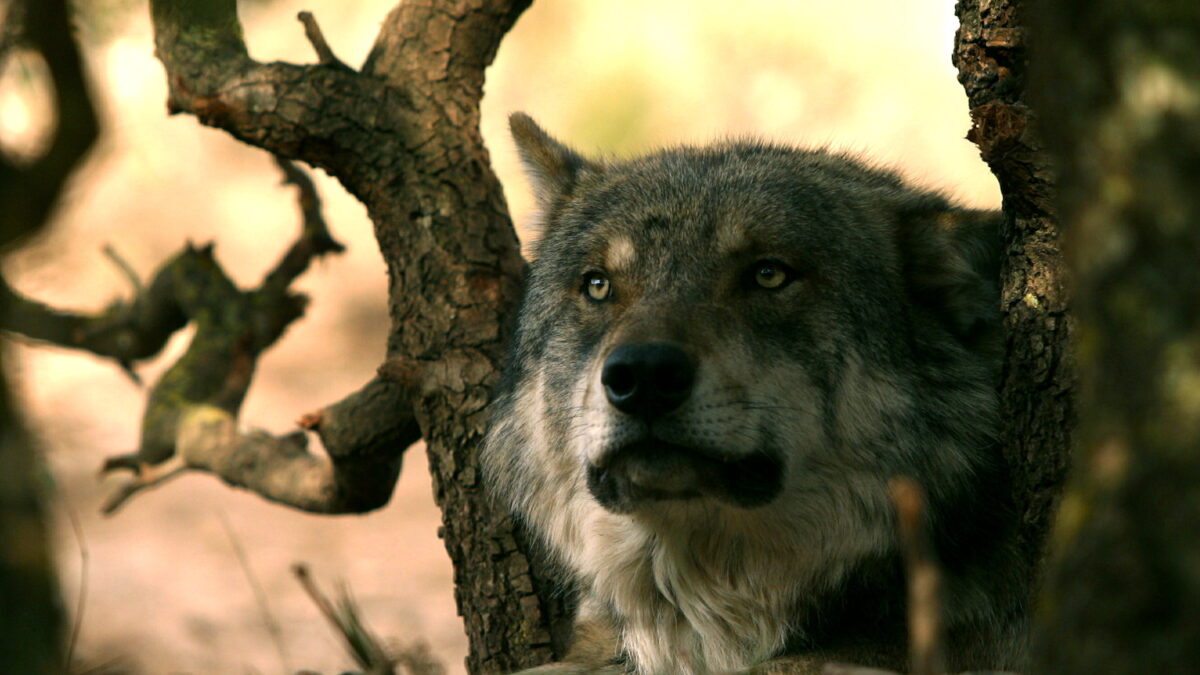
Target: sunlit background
164,589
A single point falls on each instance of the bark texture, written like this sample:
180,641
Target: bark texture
1037,389
1119,85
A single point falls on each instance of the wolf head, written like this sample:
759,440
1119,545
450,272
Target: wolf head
739,345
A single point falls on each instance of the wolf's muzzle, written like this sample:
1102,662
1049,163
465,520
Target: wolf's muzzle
648,471
647,379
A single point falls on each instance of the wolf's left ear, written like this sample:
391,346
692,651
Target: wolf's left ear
552,167
952,264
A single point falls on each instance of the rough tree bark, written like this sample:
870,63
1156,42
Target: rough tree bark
1119,87
991,54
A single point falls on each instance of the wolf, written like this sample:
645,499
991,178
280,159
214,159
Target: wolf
723,355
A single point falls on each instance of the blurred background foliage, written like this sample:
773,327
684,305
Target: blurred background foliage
165,589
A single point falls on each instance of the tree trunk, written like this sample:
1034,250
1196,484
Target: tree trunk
31,621
990,52
1119,84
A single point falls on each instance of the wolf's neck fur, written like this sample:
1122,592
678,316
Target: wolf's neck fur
699,588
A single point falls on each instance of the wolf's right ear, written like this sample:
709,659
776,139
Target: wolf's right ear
952,260
552,167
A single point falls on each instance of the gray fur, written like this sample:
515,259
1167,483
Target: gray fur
761,527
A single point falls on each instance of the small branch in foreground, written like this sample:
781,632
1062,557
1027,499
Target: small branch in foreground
146,476
125,268
924,610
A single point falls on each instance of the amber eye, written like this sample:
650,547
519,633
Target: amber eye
771,274
597,286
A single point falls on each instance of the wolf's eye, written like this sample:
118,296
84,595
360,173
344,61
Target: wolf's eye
597,286
771,274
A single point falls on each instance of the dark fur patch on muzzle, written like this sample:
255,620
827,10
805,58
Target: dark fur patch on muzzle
645,472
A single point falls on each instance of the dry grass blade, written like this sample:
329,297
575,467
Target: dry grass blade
77,624
344,616
260,596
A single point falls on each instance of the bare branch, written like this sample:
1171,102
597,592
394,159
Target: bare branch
233,328
125,332
125,268
365,436
455,43
313,32
373,421
148,476
294,111
315,239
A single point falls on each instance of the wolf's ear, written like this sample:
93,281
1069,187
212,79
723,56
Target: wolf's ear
552,167
952,265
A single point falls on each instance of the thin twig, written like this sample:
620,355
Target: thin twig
77,624
260,595
125,268
924,579
313,32
315,239
148,477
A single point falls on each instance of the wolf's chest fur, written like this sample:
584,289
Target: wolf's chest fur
722,357
689,604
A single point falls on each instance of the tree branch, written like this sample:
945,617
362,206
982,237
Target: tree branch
277,468
365,436
426,42
313,32
274,106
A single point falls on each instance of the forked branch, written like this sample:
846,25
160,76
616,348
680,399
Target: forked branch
191,415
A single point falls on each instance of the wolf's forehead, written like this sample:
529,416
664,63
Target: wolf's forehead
640,236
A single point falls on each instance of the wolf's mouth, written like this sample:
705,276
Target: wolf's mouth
647,471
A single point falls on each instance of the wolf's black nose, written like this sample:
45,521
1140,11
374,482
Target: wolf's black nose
647,379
